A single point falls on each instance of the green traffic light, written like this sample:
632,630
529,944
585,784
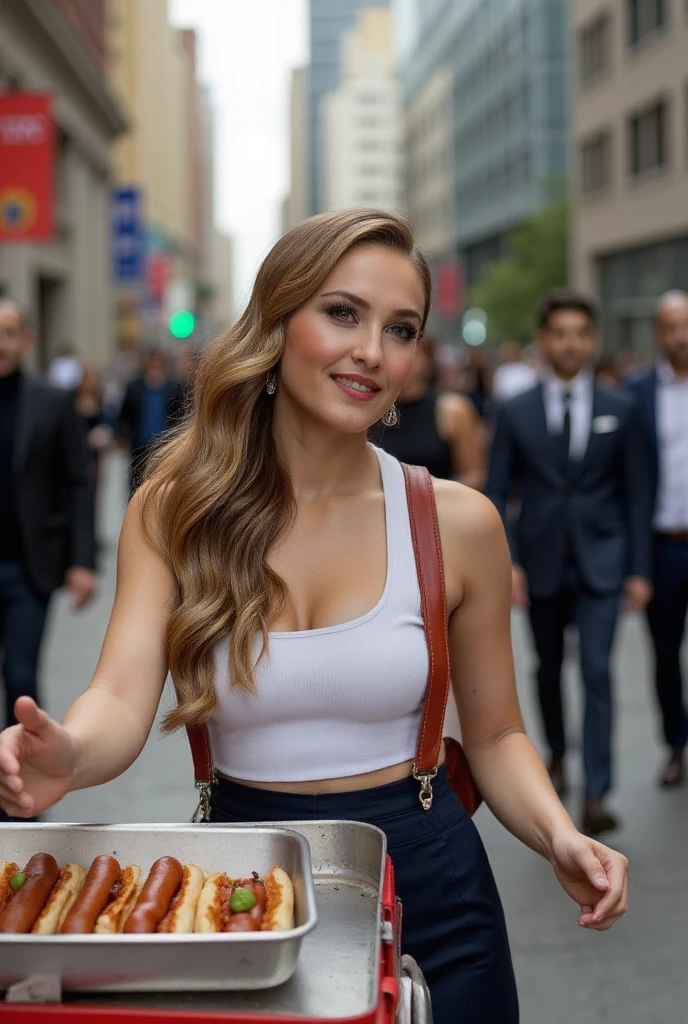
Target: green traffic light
182,324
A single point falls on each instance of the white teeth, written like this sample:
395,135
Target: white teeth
353,384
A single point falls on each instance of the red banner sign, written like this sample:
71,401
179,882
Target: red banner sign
448,289
27,167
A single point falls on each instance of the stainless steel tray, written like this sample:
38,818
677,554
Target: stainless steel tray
337,975
144,963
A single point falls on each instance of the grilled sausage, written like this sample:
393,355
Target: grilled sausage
158,891
40,875
102,875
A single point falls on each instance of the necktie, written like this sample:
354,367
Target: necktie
565,440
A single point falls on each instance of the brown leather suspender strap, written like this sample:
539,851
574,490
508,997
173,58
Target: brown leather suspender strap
428,553
427,548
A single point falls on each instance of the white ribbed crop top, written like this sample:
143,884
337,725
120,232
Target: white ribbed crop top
336,701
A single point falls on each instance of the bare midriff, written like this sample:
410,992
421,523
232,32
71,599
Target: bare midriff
350,784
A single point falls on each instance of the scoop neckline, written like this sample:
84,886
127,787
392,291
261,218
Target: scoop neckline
338,627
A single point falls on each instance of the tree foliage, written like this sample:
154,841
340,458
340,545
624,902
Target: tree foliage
510,289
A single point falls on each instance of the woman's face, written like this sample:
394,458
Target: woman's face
350,347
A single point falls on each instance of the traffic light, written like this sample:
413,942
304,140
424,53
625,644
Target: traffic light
182,324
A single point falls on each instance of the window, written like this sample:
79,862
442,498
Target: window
596,163
649,139
595,49
645,17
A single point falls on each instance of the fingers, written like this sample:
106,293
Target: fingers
614,903
18,805
9,751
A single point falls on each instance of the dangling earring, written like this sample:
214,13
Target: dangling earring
391,417
271,383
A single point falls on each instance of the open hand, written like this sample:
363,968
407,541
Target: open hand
594,876
37,761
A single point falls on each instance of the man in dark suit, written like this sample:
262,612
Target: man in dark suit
575,453
46,507
662,396
152,404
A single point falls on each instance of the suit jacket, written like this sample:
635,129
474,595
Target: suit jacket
52,486
644,390
132,405
602,506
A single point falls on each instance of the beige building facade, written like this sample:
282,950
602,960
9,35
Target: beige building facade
296,205
64,283
630,189
429,164
168,154
361,158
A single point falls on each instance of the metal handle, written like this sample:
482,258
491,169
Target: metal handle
421,1006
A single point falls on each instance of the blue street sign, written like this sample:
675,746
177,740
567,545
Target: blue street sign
128,236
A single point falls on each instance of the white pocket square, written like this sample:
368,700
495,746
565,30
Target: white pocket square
605,424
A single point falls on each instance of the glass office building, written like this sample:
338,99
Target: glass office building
509,64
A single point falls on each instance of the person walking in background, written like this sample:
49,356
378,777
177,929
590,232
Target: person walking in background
65,370
662,395
89,407
46,507
583,532
438,431
152,404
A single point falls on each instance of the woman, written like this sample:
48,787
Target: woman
438,431
268,563
89,406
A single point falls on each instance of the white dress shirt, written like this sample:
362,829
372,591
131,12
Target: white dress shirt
672,436
580,388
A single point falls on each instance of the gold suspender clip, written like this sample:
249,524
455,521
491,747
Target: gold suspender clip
425,779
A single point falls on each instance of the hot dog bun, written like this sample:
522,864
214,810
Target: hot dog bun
7,870
182,912
62,896
279,908
213,913
125,893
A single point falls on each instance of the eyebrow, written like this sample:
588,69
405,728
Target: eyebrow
363,304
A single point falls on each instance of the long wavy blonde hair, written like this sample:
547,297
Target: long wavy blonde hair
216,497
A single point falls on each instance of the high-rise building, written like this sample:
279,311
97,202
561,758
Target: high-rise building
361,120
329,20
486,97
630,196
63,282
296,204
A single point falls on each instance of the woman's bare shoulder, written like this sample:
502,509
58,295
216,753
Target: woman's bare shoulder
465,514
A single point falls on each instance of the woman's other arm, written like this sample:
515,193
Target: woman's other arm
106,728
506,765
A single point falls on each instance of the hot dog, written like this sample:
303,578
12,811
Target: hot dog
272,909
89,904
60,900
180,917
40,875
8,869
123,896
158,891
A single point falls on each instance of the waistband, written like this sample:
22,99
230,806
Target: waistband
377,802
673,536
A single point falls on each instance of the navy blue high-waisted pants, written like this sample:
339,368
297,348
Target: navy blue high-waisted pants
453,922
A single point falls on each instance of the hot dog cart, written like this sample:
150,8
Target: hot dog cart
342,962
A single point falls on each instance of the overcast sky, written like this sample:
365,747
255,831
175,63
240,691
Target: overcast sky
247,49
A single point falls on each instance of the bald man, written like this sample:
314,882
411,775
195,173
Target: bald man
663,398
46,507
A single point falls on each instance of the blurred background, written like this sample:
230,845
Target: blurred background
152,151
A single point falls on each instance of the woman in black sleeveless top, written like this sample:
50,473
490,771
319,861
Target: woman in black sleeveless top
438,431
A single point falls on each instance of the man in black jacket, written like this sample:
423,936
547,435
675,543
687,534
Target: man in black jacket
576,454
46,508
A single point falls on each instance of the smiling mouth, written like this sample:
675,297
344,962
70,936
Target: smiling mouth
356,385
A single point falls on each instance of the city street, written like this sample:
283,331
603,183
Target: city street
634,975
